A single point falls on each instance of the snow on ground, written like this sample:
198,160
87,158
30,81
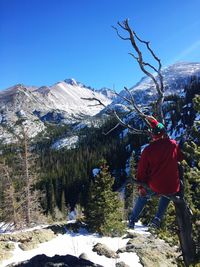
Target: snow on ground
8,228
82,242
5,227
67,142
140,229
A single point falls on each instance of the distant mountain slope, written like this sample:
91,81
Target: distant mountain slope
62,96
63,102
60,103
107,92
175,78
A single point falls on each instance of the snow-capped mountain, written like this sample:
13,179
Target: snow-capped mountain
176,77
62,103
107,92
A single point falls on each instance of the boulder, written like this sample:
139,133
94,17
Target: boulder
151,250
121,264
102,249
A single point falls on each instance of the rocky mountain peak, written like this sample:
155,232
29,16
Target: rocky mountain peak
175,77
71,81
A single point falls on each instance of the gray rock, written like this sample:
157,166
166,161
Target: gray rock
121,264
151,250
102,249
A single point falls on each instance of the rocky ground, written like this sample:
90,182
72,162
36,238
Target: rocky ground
152,251
26,240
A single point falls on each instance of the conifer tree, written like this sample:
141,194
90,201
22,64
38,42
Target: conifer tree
63,208
103,213
192,172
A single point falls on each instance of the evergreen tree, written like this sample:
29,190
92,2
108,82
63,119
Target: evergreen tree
70,169
103,213
192,172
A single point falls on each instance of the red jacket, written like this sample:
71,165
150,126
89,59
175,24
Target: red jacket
158,166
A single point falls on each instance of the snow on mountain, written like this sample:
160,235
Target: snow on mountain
68,96
61,103
107,92
78,243
71,81
175,78
64,101
66,142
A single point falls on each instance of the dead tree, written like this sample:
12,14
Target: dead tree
25,161
147,68
27,179
132,107
32,207
10,206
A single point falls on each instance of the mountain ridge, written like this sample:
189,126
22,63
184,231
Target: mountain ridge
64,102
175,78
60,103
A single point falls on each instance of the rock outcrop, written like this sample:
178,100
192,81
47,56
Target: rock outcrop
102,249
151,250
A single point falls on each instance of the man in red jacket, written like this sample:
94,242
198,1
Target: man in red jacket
158,168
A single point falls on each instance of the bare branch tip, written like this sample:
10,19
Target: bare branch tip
115,28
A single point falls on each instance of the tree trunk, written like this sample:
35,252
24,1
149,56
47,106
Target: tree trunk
183,218
27,179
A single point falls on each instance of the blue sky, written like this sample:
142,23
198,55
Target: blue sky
46,41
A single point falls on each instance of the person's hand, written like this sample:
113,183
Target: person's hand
142,191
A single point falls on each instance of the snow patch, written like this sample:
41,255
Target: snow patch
77,243
67,142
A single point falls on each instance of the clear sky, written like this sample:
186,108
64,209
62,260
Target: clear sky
46,41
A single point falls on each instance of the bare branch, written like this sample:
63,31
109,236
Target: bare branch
127,125
155,57
133,37
112,129
134,106
120,121
94,105
131,54
94,99
123,38
122,25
